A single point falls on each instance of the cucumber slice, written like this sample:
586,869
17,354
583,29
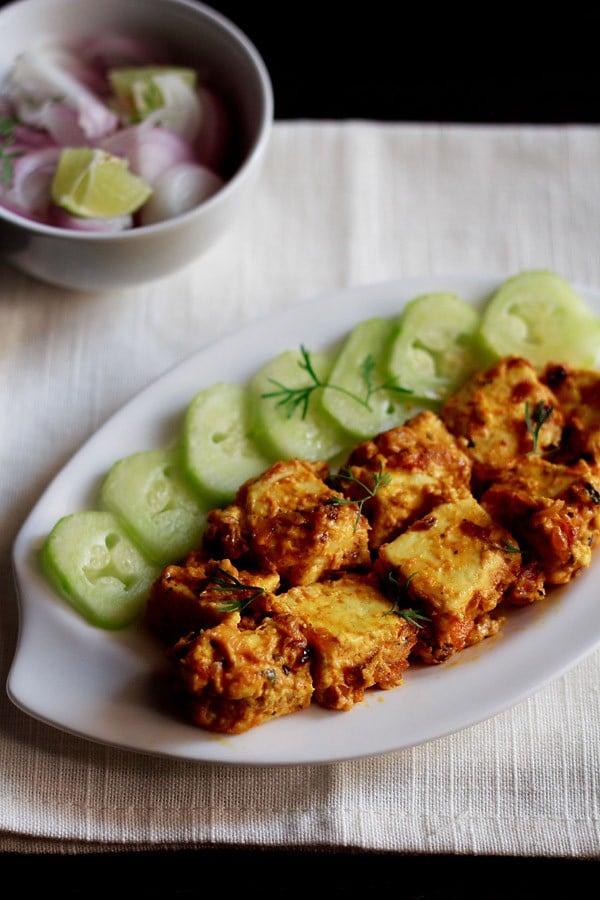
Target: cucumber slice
357,397
434,349
538,315
219,450
303,431
96,567
157,505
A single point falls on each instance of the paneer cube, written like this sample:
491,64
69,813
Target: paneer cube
356,641
193,595
290,521
489,415
554,512
454,564
578,392
423,465
240,674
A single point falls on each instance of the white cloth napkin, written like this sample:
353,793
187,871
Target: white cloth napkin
338,204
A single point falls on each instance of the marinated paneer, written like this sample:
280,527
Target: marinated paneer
578,393
291,521
554,512
355,640
455,564
502,414
316,586
239,674
197,594
424,466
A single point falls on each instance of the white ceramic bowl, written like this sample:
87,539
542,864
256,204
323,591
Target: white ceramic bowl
200,37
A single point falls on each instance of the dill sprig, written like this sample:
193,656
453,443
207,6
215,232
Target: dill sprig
414,616
225,581
506,546
593,492
380,479
7,156
366,369
152,97
291,399
536,419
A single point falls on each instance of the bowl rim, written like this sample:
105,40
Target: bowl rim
250,160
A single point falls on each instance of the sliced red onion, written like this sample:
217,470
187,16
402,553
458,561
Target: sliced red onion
23,213
150,151
179,189
42,75
215,129
26,138
32,175
71,60
60,218
177,149
62,123
113,51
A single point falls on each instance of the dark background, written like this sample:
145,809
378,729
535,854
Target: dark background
415,62
492,63
398,61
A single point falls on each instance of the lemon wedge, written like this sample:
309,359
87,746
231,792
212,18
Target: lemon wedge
139,91
93,184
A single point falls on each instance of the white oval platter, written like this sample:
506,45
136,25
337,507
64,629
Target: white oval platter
109,687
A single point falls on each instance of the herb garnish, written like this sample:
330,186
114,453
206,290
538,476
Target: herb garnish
7,156
506,546
228,582
292,399
535,421
380,479
593,492
152,97
414,616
